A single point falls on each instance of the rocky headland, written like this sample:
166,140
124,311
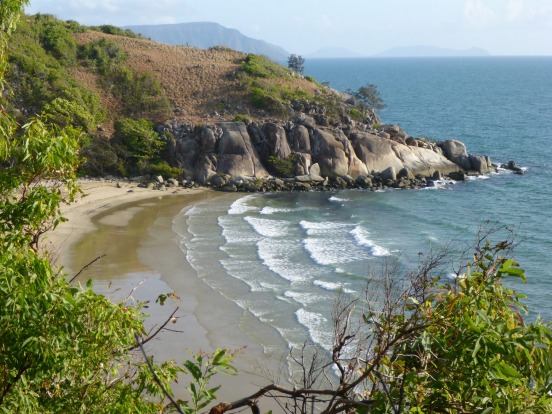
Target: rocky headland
309,153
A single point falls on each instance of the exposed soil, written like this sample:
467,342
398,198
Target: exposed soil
202,85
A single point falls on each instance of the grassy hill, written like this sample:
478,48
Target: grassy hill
109,81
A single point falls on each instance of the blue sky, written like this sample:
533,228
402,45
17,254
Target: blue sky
502,27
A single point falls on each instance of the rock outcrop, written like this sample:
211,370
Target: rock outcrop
234,154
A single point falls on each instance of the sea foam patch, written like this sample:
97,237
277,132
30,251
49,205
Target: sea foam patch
274,210
241,205
333,286
361,236
268,227
316,325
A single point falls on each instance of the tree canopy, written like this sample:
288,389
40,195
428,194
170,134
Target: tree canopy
296,63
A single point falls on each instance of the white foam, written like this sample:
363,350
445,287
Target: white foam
332,286
304,297
277,257
268,227
234,233
338,199
272,210
240,206
314,228
317,327
361,237
322,252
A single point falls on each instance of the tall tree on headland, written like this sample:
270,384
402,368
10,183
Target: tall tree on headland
296,63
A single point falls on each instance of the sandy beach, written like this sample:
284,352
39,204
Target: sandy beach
126,232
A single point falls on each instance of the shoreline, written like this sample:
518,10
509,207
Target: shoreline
133,227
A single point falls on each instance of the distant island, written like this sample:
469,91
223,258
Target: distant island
431,51
204,35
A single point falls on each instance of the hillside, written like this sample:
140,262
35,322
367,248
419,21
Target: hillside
201,85
212,116
205,35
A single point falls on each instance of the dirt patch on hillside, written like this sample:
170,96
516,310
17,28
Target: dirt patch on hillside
202,85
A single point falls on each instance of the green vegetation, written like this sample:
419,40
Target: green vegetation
114,30
265,82
283,167
241,118
66,349
426,345
258,66
368,97
221,48
37,80
420,344
296,63
103,55
140,149
140,94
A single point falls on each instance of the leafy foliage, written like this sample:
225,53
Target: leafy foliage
114,30
141,148
259,66
64,347
140,94
296,63
55,36
283,167
422,345
103,55
369,97
36,78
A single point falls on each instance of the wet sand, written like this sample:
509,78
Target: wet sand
133,228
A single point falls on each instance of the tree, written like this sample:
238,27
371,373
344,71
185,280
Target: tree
369,97
459,346
296,63
63,347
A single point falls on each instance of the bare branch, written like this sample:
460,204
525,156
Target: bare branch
86,267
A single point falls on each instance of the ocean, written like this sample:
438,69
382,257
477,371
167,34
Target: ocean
284,258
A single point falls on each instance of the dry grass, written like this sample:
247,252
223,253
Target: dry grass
197,82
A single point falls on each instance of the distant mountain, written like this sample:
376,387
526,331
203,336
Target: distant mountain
333,52
430,51
204,35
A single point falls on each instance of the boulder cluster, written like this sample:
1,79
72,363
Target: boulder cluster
248,156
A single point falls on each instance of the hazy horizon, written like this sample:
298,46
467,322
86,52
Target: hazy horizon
501,27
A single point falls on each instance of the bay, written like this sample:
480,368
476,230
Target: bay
283,258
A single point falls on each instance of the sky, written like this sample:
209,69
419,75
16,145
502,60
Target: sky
366,27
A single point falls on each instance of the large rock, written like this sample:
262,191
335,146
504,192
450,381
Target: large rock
455,151
299,139
481,164
423,161
376,153
269,140
236,154
329,154
335,155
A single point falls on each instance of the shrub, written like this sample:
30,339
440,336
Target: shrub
259,66
283,167
114,30
139,137
165,170
241,118
103,55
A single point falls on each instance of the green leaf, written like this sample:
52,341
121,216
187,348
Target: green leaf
508,370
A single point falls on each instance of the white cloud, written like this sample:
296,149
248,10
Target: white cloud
478,14
323,22
514,10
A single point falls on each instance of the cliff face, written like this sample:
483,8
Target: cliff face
217,153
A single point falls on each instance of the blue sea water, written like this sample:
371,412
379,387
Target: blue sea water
283,258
